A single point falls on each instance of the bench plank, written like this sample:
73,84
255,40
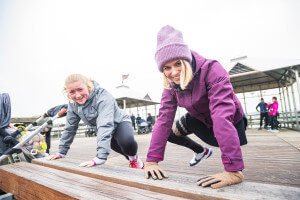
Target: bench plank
31,181
177,184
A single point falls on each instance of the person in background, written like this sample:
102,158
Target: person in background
215,115
5,125
149,121
273,115
138,120
263,113
47,133
96,107
132,117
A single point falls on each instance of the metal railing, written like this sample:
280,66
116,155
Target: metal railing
286,119
59,128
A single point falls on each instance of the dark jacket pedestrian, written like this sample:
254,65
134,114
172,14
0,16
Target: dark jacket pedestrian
132,117
263,113
138,120
149,119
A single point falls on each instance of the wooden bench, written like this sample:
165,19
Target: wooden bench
64,179
31,181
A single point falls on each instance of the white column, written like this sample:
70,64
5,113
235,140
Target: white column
245,101
296,72
294,101
124,104
146,111
286,112
289,102
283,116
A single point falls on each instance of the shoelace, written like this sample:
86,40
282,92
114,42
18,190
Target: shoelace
134,164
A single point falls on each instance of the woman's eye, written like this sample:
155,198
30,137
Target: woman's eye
178,64
71,92
80,90
167,68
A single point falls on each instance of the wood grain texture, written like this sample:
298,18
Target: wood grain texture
109,173
30,181
270,158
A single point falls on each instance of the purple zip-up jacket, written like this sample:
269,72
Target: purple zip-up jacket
210,98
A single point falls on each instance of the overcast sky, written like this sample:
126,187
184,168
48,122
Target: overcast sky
42,42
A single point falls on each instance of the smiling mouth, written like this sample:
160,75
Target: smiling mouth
78,99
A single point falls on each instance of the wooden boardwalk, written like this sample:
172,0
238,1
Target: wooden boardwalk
269,158
272,172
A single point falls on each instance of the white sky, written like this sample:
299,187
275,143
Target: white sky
42,42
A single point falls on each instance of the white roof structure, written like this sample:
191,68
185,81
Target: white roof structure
254,74
123,94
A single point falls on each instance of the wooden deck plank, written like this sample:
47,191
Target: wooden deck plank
269,157
124,176
30,181
177,183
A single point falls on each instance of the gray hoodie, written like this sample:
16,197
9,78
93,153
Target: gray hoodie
5,110
101,111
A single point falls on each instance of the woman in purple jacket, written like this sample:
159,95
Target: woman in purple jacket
215,114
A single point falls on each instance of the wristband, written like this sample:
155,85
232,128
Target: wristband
59,155
94,162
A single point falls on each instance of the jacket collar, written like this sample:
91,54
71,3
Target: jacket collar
198,62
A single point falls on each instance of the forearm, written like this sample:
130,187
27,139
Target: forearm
65,142
104,142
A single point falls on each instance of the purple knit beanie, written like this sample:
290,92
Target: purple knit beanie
170,46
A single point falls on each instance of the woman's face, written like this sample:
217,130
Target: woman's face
172,70
78,92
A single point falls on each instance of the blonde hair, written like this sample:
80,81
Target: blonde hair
186,75
78,77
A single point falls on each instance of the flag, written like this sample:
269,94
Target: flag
124,76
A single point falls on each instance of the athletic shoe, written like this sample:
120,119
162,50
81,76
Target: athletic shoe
275,131
270,130
260,128
199,156
135,164
266,128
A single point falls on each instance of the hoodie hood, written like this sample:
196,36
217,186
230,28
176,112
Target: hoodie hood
94,90
199,61
5,110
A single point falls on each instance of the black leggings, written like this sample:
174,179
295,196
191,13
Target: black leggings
48,140
274,122
123,140
262,116
188,124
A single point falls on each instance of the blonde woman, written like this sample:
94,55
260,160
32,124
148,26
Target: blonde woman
215,114
96,107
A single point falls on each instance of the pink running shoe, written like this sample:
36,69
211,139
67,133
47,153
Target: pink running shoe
135,164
